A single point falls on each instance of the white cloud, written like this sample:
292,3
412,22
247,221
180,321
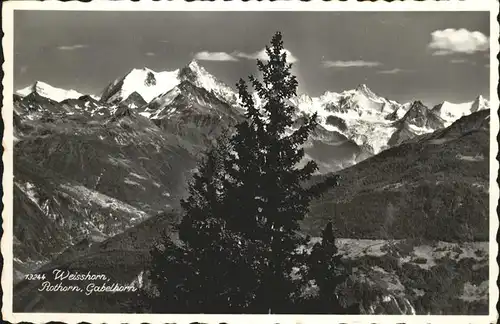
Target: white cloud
214,56
348,64
449,41
150,54
393,71
262,55
71,47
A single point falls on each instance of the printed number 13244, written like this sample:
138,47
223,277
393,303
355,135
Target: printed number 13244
35,276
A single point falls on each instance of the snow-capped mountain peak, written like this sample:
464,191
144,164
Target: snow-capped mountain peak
195,66
146,82
200,77
356,103
450,112
363,89
46,90
150,84
480,103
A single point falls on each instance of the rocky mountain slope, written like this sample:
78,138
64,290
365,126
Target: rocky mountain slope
87,169
417,120
93,179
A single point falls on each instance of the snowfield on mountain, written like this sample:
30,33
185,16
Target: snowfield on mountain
452,111
145,82
50,92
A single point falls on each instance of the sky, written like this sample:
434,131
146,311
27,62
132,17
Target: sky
404,56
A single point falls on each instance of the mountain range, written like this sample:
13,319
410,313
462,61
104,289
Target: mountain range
99,175
354,123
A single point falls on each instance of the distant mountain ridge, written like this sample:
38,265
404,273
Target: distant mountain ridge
355,123
48,91
149,84
450,112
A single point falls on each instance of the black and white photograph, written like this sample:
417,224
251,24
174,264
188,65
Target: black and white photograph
251,162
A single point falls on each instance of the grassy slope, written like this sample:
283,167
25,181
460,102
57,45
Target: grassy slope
433,187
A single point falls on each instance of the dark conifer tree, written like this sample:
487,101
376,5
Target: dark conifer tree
241,219
328,271
266,197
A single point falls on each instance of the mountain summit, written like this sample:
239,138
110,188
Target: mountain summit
46,90
450,112
145,82
197,75
360,111
150,84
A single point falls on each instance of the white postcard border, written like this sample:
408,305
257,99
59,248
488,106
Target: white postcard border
7,142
